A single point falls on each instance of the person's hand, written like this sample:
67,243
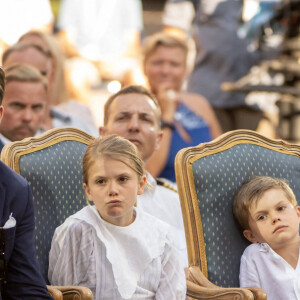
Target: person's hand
168,100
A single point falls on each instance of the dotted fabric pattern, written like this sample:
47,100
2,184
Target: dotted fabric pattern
217,178
55,176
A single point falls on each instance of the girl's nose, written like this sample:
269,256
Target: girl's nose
112,189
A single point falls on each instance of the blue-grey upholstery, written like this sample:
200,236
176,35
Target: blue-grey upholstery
54,174
217,177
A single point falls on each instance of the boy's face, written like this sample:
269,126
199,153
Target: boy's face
274,220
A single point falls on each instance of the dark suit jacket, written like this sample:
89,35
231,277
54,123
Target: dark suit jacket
24,280
1,145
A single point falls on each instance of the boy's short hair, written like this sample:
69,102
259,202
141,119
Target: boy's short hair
252,190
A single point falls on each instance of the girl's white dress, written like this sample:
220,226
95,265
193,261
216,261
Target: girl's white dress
133,262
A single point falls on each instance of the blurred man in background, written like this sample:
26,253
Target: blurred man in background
24,103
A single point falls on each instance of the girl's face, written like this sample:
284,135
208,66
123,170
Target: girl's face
113,187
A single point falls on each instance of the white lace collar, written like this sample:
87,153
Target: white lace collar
129,249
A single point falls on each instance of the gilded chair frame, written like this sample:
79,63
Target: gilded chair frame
198,284
11,154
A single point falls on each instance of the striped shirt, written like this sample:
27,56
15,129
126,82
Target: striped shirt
108,258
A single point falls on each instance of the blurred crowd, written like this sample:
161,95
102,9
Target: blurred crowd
88,51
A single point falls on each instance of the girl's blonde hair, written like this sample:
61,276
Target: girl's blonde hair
114,147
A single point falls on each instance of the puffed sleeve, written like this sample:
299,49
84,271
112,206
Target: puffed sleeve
71,258
248,273
172,283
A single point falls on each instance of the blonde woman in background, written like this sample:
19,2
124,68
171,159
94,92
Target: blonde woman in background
61,96
187,119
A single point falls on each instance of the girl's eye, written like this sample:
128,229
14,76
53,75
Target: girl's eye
100,181
123,179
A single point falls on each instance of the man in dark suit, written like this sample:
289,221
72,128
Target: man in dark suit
20,276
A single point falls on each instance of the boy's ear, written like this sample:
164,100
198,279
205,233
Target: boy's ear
298,211
250,236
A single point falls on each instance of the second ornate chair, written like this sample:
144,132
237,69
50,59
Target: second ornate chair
208,176
51,163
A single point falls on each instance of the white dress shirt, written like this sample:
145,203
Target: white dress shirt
164,204
137,261
4,139
262,267
61,119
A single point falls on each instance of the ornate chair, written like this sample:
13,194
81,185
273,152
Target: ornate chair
51,163
208,176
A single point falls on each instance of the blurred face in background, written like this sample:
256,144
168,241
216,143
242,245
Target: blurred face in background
32,57
38,40
165,67
24,105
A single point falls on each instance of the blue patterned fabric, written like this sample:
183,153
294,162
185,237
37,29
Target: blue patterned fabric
198,130
217,178
54,174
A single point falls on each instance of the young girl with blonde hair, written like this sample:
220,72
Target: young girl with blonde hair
112,247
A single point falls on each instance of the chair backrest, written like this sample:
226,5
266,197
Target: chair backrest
51,163
208,177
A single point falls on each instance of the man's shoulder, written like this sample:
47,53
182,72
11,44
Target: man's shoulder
1,145
160,190
10,178
166,184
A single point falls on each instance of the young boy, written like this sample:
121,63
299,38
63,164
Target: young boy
268,212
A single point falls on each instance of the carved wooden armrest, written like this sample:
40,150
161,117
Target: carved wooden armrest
258,293
199,287
54,292
199,292
71,292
